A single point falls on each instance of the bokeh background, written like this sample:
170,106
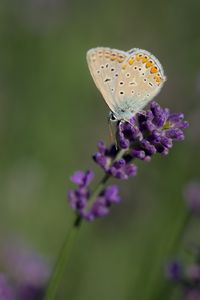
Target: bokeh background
51,116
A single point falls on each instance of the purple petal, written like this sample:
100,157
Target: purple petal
6,291
111,194
78,177
82,178
174,270
99,208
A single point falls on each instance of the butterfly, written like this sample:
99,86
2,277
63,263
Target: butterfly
128,81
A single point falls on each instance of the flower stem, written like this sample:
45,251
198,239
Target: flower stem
65,251
160,287
62,261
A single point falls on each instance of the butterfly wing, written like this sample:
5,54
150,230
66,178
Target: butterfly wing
104,65
140,79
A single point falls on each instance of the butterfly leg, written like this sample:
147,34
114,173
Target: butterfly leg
112,128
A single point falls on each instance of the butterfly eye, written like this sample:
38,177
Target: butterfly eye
112,117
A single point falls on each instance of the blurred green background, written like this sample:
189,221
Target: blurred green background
51,116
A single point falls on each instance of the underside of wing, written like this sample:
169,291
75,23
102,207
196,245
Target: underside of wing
105,65
140,79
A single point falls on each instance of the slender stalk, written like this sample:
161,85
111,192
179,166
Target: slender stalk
62,260
160,288
65,251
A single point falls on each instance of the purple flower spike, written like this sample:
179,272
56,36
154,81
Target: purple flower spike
192,294
28,292
144,135
193,272
6,291
79,197
174,271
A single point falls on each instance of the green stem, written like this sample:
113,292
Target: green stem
65,251
62,260
160,287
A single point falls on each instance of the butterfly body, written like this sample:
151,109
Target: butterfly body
128,81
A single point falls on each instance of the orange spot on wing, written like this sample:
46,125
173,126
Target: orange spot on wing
144,59
149,64
154,70
131,61
157,78
113,56
124,66
139,56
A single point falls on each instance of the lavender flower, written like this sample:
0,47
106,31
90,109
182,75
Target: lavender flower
193,272
6,291
140,138
79,197
192,294
28,270
30,292
187,277
174,271
119,168
25,265
192,196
